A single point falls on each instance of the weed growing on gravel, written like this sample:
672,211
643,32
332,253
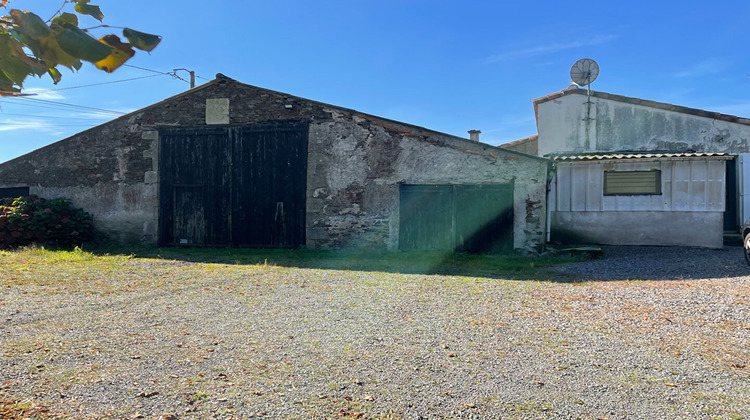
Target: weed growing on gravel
530,406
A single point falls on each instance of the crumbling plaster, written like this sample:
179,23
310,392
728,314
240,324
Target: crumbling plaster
357,163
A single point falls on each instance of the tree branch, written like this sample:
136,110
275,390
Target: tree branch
58,11
102,26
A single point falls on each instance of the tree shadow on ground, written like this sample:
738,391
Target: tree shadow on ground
509,267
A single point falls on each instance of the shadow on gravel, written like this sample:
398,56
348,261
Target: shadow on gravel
488,266
660,263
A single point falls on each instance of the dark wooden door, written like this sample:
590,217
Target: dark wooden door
465,218
233,186
194,187
270,181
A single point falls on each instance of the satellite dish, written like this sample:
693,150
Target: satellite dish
584,71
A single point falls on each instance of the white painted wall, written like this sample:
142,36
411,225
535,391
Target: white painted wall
686,185
620,126
688,212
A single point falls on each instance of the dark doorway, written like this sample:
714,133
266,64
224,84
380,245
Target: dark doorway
466,218
233,186
731,218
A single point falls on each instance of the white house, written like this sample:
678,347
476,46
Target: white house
639,172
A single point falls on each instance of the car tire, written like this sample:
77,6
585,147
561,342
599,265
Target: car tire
746,245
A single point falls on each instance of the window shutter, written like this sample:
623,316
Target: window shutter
632,182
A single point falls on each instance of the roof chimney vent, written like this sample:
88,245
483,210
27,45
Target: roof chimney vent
474,135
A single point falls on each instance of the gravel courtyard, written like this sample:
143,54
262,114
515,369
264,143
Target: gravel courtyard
645,333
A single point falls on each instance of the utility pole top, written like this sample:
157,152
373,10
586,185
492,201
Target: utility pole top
192,76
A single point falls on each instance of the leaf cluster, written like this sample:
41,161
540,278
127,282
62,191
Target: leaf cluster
30,219
31,46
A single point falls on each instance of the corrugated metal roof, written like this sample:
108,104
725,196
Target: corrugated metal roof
622,156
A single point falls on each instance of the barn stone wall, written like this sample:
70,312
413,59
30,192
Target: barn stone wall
355,164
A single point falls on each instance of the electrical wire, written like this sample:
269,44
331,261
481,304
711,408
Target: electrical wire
47,104
3,114
143,68
52,107
173,73
26,98
106,83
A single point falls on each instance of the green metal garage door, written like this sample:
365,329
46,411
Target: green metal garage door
464,218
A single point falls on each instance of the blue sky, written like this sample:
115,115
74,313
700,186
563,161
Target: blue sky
450,66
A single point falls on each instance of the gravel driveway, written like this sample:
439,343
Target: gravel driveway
663,263
169,339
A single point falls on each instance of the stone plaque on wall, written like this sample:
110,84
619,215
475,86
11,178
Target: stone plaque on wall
217,111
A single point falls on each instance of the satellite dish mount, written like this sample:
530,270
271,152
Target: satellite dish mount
583,72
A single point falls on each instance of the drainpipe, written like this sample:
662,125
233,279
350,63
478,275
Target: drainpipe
551,197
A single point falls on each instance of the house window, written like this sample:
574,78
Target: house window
632,182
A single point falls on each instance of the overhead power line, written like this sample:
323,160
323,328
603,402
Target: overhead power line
172,73
25,98
57,117
145,69
107,83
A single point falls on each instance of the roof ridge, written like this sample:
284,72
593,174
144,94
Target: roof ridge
643,102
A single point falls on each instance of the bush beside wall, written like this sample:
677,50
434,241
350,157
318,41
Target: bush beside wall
33,220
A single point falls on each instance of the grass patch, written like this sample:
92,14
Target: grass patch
41,255
509,266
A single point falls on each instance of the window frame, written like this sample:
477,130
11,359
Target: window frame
657,183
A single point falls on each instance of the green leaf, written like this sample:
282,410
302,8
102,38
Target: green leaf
52,54
8,87
141,40
65,20
14,69
25,40
37,67
80,45
5,44
86,9
54,74
30,24
4,79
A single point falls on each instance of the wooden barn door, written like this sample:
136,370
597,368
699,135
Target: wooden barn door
269,176
233,186
465,218
194,189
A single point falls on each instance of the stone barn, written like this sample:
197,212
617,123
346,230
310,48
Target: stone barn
229,164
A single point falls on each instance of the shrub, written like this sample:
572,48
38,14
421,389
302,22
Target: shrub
31,219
